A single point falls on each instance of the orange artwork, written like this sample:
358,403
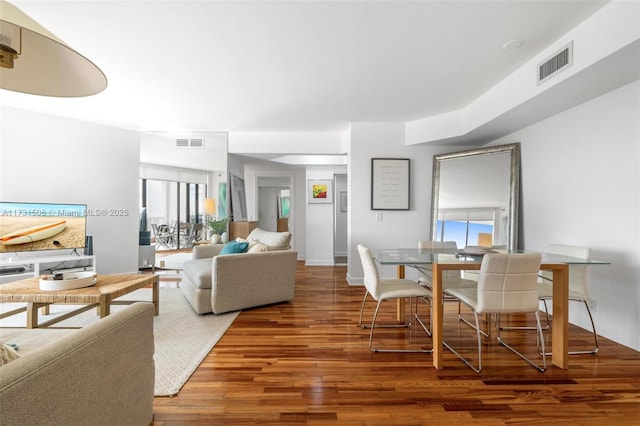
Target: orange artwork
319,191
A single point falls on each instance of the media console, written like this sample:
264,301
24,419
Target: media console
18,268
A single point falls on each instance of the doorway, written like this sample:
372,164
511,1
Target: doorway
273,209
340,230
274,203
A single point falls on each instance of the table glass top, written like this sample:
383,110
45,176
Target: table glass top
414,256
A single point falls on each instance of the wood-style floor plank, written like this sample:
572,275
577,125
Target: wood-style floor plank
306,362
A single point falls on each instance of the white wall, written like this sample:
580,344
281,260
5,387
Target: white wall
396,228
256,169
581,186
160,148
59,160
319,226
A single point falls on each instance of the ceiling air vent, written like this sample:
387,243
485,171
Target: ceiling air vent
196,143
190,143
559,61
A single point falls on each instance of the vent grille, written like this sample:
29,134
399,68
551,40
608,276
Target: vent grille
196,143
190,143
556,63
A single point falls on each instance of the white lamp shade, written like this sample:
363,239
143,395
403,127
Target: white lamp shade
45,65
210,206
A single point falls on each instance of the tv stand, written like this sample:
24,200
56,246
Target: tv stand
20,268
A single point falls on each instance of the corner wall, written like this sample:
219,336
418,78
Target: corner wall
581,186
58,160
399,228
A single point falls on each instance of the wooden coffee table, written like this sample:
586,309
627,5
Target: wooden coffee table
100,295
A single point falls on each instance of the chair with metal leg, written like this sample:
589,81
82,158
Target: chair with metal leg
386,289
450,279
507,284
578,285
164,237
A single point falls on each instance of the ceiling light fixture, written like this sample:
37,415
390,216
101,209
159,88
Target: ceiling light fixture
512,44
33,60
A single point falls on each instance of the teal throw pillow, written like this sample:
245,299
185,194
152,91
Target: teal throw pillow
235,247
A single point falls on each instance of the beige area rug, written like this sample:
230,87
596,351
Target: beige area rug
182,338
172,261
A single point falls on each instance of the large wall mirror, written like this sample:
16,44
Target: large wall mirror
476,198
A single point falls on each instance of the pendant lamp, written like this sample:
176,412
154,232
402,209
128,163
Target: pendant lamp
33,60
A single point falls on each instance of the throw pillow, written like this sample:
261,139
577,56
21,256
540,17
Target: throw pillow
7,353
233,247
274,240
256,247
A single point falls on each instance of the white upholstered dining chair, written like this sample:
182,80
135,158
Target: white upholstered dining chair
450,279
386,289
578,285
507,283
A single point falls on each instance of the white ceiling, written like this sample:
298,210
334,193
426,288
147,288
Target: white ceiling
283,66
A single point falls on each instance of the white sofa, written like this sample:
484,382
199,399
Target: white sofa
223,283
102,374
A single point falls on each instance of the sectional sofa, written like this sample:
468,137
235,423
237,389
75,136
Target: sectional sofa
222,283
102,374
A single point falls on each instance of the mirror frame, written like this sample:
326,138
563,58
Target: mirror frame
514,186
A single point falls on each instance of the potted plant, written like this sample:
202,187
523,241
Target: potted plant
219,226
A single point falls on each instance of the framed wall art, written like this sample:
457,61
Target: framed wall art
320,191
390,183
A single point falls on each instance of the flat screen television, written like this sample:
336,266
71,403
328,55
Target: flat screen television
40,226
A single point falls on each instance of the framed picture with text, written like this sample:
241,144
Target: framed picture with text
390,183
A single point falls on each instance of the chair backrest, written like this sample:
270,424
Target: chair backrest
508,282
371,276
577,273
437,245
424,274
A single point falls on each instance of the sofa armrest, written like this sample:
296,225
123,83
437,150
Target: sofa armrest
247,280
206,250
102,374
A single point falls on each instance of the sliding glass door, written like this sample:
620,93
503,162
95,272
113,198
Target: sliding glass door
173,211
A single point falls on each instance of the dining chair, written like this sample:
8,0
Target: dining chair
578,285
450,279
164,236
507,283
386,289
192,235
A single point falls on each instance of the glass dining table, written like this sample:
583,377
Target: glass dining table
452,260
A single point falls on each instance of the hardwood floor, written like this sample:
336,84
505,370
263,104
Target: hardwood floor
307,362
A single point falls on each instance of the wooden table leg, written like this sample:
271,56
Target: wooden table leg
104,307
560,323
437,311
32,314
400,311
156,297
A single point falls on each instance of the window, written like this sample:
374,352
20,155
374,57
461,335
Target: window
173,207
